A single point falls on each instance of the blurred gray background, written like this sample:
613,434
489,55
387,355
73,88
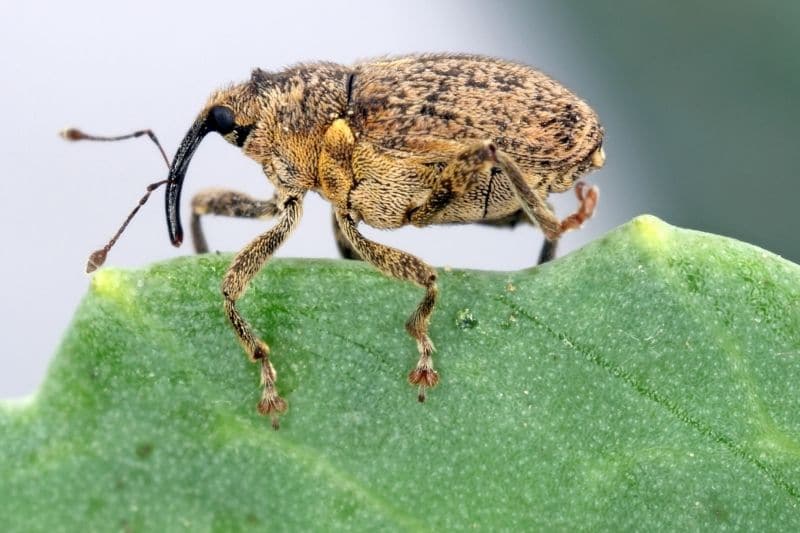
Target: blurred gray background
699,101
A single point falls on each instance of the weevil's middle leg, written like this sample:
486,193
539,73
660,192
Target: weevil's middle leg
404,266
346,250
244,267
463,172
549,247
460,174
226,203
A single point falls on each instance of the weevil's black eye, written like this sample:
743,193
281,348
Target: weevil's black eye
221,120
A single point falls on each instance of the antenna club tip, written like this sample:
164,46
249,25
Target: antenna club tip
96,260
72,134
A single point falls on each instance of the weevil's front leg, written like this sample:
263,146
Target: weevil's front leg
226,203
244,267
535,204
404,266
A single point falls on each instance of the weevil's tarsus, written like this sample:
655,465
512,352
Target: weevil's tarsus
588,201
423,375
271,404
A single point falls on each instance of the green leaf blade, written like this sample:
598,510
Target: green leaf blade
646,381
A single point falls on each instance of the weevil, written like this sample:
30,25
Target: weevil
412,140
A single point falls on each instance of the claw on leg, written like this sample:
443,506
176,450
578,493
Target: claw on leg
424,375
270,404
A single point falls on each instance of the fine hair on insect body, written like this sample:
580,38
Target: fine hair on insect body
412,140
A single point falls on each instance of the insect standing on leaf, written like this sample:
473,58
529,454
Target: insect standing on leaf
420,140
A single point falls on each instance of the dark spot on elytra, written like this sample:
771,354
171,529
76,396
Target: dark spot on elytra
565,139
437,166
570,118
534,149
431,111
509,81
450,72
472,82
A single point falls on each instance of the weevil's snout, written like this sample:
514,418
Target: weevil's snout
220,119
177,172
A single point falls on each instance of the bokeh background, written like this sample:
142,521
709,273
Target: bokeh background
699,101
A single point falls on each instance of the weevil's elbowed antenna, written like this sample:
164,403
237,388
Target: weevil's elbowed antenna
98,257
219,119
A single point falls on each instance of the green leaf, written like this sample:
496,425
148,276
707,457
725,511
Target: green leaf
647,381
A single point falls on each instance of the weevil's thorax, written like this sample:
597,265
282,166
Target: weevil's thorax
291,110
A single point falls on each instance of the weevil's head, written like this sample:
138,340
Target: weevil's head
229,112
290,108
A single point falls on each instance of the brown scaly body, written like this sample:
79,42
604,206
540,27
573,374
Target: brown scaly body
420,139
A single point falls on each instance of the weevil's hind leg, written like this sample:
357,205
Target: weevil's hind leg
226,203
244,267
346,249
549,247
404,266
536,206
460,174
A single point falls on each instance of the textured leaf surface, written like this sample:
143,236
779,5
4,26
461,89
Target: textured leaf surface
648,381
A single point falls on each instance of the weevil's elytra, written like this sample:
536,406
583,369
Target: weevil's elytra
419,139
